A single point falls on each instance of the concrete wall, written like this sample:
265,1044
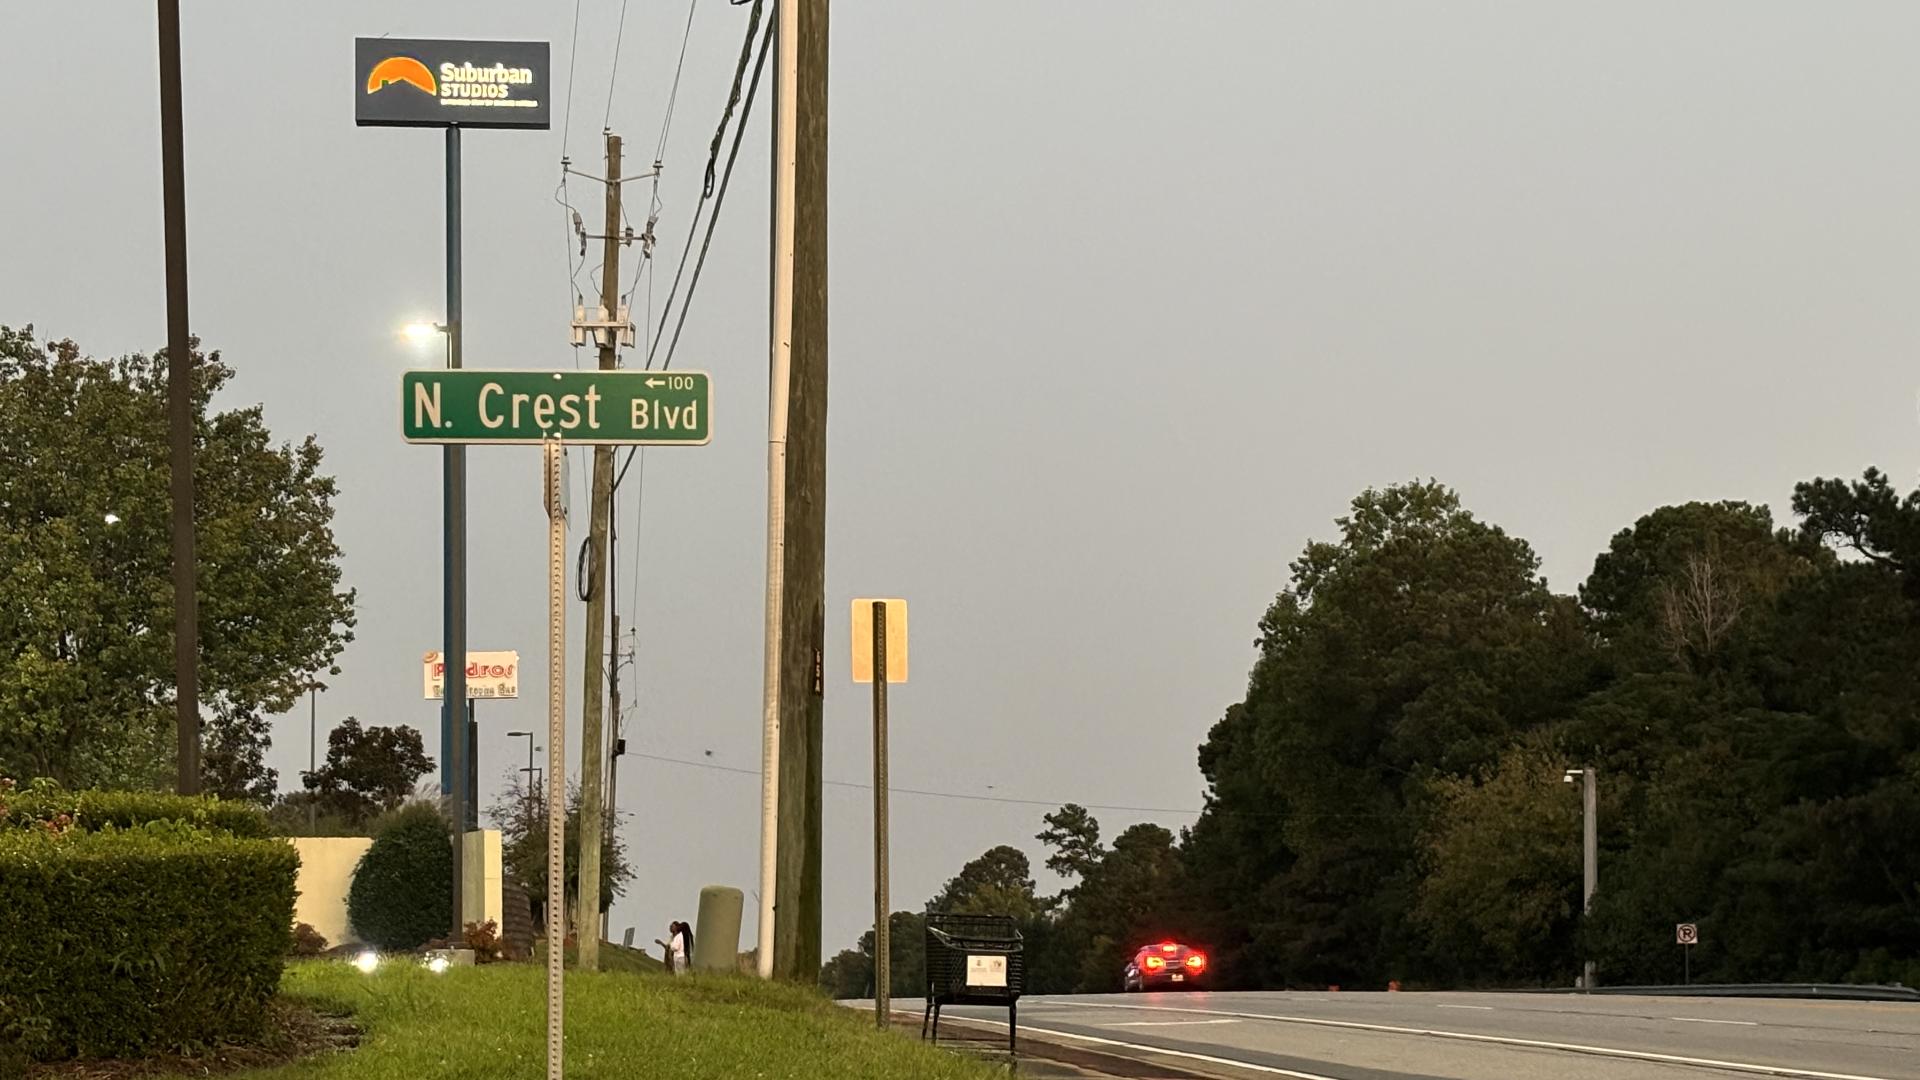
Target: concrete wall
480,895
326,873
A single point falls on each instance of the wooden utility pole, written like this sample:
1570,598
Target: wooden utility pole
592,730
186,615
803,102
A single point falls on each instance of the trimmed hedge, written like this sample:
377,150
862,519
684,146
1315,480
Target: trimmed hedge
402,892
129,809
125,942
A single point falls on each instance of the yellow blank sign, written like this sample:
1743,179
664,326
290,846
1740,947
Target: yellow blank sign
863,640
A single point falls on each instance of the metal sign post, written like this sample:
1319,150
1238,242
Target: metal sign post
556,504
1687,935
885,650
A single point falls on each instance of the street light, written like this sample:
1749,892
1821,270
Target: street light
422,332
1590,854
531,750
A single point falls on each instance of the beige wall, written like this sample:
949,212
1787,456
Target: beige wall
326,872
480,895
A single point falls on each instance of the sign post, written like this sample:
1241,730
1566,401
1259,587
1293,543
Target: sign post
880,639
417,82
545,408
1687,935
556,502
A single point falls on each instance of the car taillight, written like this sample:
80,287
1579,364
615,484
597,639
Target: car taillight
1169,948
1197,961
1155,963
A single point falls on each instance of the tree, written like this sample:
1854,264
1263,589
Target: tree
999,882
86,602
1416,645
1074,836
368,770
849,974
521,817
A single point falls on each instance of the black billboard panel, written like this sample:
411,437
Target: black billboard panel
425,82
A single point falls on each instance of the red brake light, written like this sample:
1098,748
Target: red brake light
1197,961
1169,948
1155,963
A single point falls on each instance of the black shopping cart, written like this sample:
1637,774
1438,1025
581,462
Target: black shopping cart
973,960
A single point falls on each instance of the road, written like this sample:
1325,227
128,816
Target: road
1360,1036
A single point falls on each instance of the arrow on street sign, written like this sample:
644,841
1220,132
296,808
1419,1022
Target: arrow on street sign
591,407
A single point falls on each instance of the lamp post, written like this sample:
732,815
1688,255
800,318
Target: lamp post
1590,849
531,750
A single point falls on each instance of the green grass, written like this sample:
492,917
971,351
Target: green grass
612,958
490,1021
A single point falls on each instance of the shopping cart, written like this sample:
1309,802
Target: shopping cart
973,960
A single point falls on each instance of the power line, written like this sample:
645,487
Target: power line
619,36
924,793
719,200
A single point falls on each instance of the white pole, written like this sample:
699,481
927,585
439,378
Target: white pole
555,485
785,166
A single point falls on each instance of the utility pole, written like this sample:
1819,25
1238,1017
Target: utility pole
453,570
797,482
1590,850
592,731
186,614
613,682
313,750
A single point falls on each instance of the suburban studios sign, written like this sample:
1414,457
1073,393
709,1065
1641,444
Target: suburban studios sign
416,82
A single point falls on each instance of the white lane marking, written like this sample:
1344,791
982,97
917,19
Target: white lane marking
1480,1008
1171,1023
1698,1020
1249,1066
1507,1040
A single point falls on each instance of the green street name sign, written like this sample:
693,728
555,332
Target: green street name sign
623,408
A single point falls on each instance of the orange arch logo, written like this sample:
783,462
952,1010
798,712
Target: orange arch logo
401,69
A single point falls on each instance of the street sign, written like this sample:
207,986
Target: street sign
591,407
417,82
1686,933
863,640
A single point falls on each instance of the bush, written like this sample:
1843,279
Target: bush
94,810
127,942
402,894
484,939
307,941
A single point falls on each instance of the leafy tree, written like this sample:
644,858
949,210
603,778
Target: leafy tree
86,603
1501,867
521,817
1417,645
999,882
369,770
849,974
1074,836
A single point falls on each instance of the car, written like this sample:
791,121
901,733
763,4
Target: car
1165,965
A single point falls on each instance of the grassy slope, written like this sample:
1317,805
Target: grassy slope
491,1022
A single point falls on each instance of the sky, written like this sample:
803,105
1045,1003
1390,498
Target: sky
1126,306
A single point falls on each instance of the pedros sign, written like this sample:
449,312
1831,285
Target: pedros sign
418,82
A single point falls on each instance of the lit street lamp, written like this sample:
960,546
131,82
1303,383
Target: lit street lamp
1590,856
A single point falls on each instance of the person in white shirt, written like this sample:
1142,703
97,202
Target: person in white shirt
679,947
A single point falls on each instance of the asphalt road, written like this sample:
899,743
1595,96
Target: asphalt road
1360,1036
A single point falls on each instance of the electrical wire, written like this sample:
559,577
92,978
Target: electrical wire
925,793
719,200
619,36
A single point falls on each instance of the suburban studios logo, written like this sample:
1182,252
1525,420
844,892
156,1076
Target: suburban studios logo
461,84
419,82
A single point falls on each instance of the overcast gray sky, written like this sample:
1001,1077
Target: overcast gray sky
1128,301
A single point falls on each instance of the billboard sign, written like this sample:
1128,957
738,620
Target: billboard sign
424,82
489,675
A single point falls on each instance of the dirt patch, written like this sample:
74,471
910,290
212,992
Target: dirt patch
298,1029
